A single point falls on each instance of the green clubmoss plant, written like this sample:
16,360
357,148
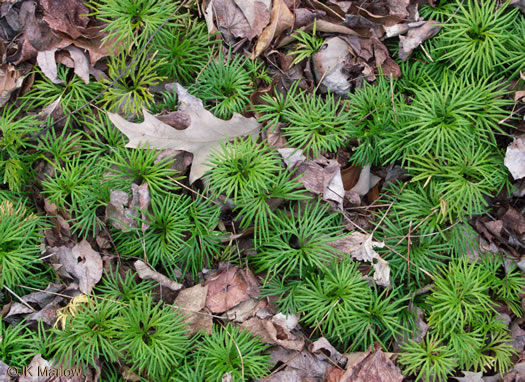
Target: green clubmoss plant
232,350
476,38
464,178
316,124
15,161
77,188
460,296
161,242
20,240
272,109
329,299
87,335
429,360
71,94
372,110
184,51
446,116
257,208
141,165
299,241
224,85
153,337
17,346
307,44
506,281
242,167
116,287
202,241
131,23
130,93
439,12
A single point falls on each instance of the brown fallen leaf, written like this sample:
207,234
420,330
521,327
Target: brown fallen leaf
322,177
229,288
322,345
399,7
122,211
361,247
416,36
240,18
37,363
81,262
191,301
375,367
146,273
66,16
47,63
273,333
280,19
515,158
304,363
10,80
204,134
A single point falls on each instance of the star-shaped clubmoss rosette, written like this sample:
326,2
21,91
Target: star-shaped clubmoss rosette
204,134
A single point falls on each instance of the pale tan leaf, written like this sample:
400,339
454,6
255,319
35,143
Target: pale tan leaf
204,134
280,19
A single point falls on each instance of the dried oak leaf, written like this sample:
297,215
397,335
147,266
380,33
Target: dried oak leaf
204,134
375,367
229,288
81,262
361,247
240,18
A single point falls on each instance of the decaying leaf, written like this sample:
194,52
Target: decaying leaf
81,262
515,158
323,177
373,367
361,247
229,288
329,63
36,364
273,333
146,273
469,376
416,36
304,364
280,19
191,301
10,80
66,16
204,134
241,18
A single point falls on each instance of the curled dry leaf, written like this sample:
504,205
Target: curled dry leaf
47,63
146,273
273,334
304,363
280,20
229,288
204,134
82,263
366,181
323,177
328,66
515,158
361,247
240,18
10,80
416,36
